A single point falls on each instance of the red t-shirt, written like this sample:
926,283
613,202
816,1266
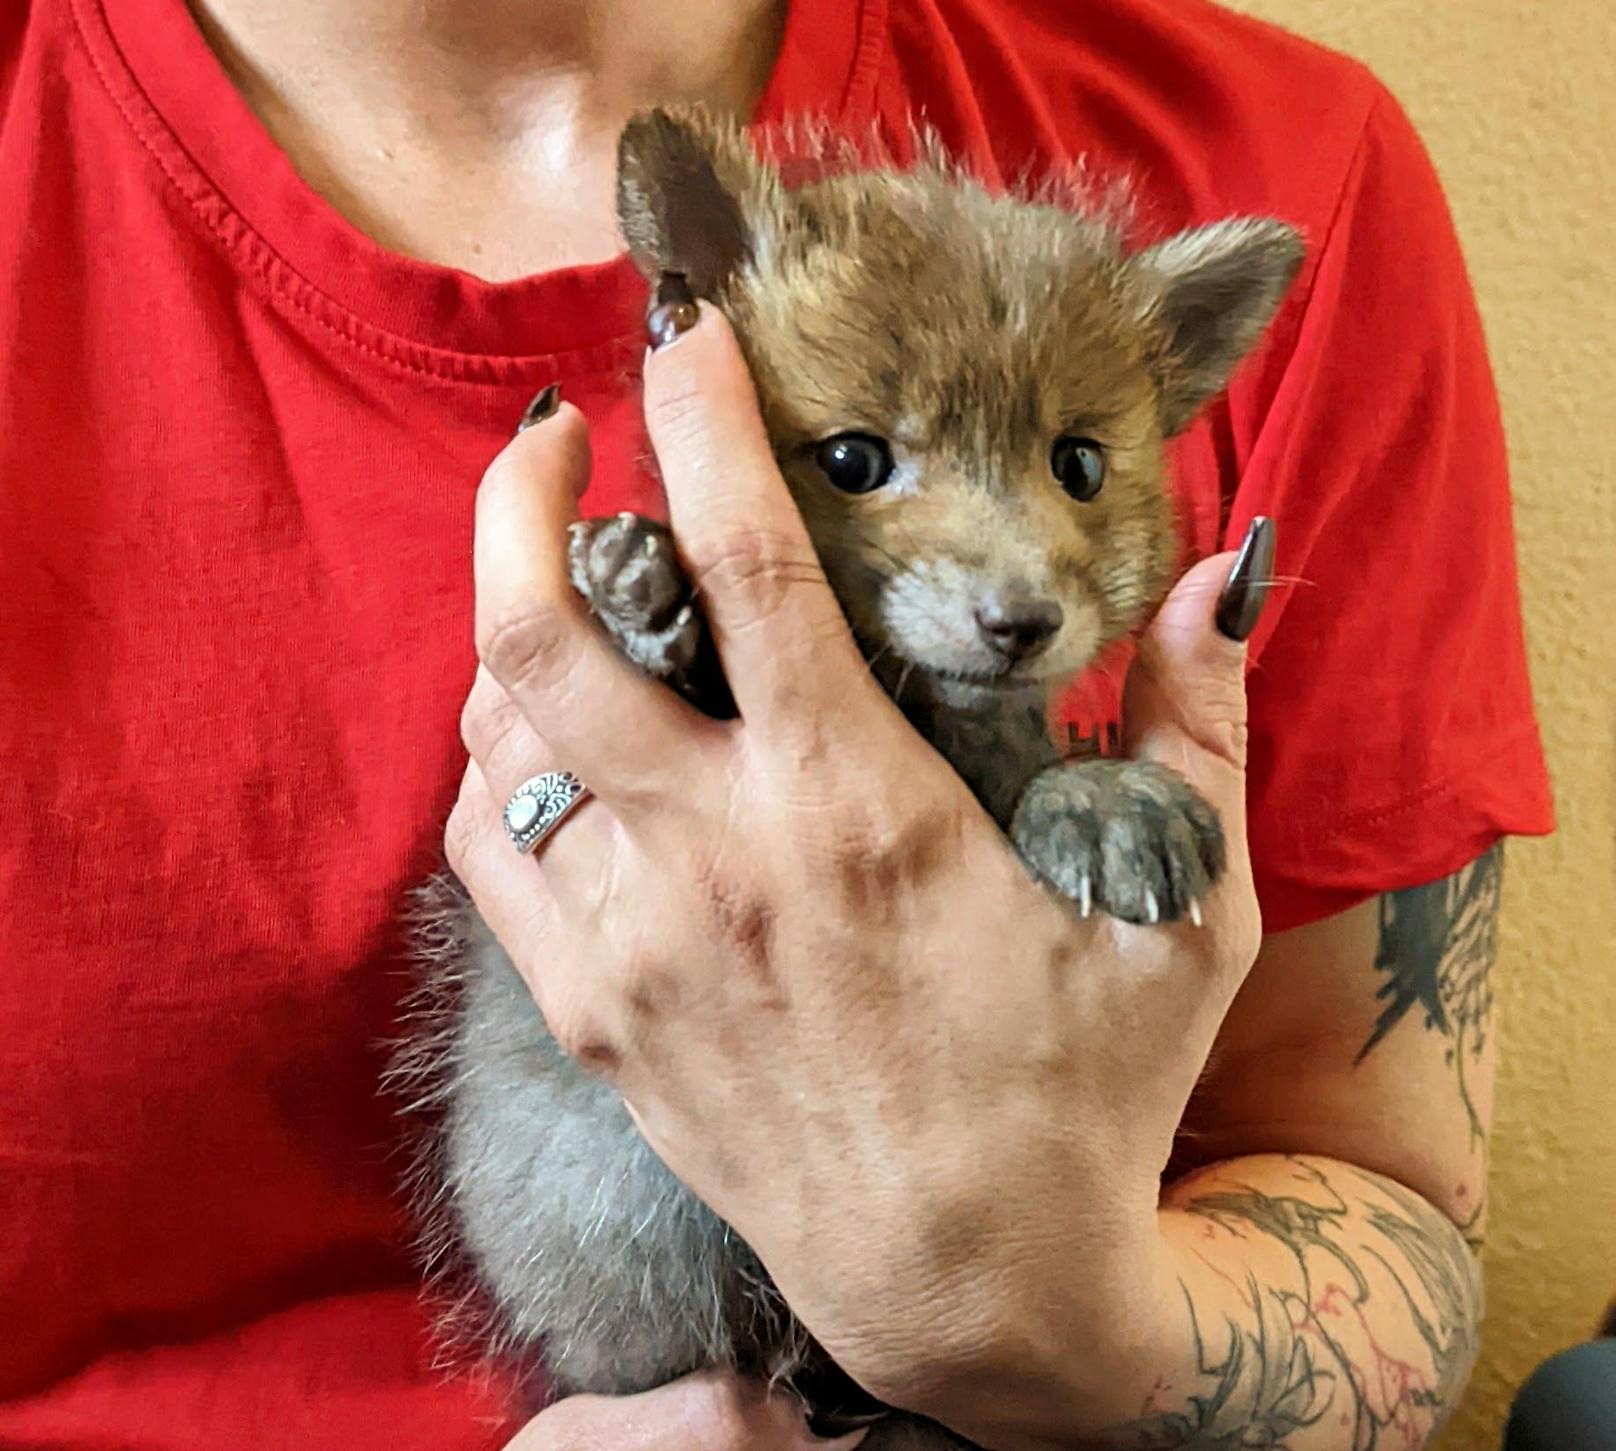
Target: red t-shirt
238,450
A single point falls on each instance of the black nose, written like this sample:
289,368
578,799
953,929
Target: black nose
1018,628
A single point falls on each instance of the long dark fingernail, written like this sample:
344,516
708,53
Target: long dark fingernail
674,311
1240,605
544,404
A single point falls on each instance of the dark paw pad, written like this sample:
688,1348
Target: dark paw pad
1131,839
628,570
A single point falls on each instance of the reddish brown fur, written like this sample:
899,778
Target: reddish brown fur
982,327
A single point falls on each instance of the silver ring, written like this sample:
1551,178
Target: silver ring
539,805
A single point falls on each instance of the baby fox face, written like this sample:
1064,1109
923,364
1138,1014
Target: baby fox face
969,394
969,425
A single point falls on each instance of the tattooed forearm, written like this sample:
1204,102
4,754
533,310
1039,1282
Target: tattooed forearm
1436,951
1328,1309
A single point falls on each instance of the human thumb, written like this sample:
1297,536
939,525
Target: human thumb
1184,704
708,1411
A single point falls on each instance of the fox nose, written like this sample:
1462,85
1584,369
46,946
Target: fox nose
1018,627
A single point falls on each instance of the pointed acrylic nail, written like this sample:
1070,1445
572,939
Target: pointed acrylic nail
1240,605
543,406
674,312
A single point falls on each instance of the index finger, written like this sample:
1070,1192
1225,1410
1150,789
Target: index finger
629,737
779,629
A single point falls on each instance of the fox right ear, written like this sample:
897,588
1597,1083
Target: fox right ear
683,184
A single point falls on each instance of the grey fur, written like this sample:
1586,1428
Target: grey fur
583,1250
626,1276
1129,838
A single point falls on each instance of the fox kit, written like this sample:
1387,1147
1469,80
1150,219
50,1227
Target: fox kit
968,395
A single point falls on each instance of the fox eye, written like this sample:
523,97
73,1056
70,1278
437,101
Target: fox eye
856,463
1079,465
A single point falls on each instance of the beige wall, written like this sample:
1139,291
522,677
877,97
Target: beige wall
1514,101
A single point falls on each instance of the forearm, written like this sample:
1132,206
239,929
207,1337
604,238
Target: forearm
1324,1308
1301,1303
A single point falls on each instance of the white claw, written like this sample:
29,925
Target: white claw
626,517
682,619
576,528
651,542
1195,912
1152,912
1085,899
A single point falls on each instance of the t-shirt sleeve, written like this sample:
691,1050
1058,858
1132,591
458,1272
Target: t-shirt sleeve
1393,737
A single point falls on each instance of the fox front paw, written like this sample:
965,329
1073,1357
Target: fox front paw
1128,838
627,569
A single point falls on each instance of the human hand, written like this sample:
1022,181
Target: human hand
934,1100
707,1412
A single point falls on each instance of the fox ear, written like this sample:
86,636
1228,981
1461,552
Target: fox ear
684,182
1213,290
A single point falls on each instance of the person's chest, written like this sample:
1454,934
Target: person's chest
237,633
236,525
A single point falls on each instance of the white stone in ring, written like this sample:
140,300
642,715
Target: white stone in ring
537,806
523,812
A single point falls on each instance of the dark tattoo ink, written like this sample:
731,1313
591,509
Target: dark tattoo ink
1290,1390
1292,1358
1449,1306
1437,947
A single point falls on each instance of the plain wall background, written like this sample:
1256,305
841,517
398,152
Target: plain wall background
1514,101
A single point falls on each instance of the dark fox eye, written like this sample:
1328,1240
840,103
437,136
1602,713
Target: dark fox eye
856,463
1079,464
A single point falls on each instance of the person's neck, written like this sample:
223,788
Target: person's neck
481,133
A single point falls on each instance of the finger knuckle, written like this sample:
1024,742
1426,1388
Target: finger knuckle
677,410
1208,702
650,990
750,567
501,743
460,835
741,913
483,721
1218,725
881,856
534,647
580,1036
